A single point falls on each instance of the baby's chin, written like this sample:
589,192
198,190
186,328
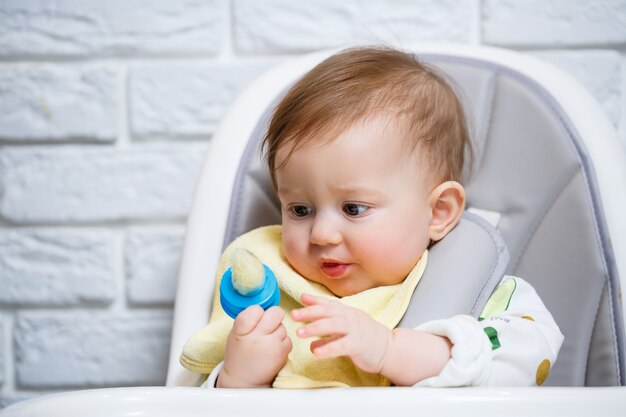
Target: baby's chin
355,285
345,289
342,287
339,287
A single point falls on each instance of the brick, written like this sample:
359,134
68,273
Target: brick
599,71
76,184
52,103
184,100
93,27
81,349
152,263
56,267
555,22
275,26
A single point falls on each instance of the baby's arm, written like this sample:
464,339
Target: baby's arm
404,356
414,355
515,342
256,349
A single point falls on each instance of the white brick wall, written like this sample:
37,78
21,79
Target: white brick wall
91,28
151,261
52,102
106,111
49,267
290,26
184,99
90,348
85,184
554,23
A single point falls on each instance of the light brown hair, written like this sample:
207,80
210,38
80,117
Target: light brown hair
358,83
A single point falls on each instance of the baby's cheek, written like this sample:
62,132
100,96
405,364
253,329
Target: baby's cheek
379,242
292,249
391,258
377,250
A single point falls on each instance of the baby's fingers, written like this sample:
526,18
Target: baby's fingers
247,320
311,313
324,327
332,347
316,344
281,332
271,320
310,299
285,340
320,308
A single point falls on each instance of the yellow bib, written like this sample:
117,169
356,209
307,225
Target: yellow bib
387,304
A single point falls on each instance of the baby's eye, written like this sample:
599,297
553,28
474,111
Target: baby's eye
353,209
300,211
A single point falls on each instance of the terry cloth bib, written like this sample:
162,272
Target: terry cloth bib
386,304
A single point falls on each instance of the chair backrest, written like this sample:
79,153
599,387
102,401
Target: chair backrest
532,170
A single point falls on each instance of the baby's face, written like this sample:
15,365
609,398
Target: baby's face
355,211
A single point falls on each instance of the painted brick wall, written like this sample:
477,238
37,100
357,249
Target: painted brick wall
106,111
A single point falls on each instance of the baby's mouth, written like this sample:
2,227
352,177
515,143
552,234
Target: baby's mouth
334,269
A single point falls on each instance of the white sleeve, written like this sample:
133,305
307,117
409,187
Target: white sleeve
514,342
212,379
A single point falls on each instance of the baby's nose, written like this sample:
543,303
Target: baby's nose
325,231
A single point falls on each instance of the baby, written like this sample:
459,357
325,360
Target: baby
366,154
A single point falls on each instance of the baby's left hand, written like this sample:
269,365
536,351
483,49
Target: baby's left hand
344,331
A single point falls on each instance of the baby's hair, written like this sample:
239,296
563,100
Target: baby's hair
355,84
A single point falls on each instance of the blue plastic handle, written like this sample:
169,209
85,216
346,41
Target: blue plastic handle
234,303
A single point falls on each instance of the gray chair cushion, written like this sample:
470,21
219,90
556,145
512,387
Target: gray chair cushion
462,271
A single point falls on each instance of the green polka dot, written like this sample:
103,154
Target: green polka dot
492,334
500,299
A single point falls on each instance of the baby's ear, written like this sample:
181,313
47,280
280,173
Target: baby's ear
447,202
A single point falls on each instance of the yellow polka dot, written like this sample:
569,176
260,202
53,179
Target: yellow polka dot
528,318
542,371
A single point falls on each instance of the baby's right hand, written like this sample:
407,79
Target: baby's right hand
256,349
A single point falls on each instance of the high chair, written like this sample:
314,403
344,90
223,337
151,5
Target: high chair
549,184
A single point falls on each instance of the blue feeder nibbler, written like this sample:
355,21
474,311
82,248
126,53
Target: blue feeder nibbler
248,282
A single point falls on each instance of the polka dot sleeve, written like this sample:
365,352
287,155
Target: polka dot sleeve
515,341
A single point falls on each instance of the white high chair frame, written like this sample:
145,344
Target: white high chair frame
204,240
